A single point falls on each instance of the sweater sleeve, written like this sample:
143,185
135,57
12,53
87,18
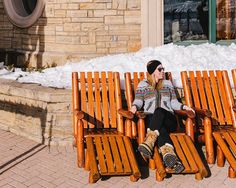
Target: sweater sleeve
139,95
175,104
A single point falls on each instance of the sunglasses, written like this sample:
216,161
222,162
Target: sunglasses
161,69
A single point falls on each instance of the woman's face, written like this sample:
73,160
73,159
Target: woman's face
159,73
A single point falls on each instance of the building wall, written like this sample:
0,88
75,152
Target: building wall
72,30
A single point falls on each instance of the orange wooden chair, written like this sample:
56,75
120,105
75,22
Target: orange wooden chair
209,92
98,128
183,144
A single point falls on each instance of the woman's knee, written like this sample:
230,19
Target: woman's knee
159,111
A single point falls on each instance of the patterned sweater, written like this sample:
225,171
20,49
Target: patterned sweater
148,98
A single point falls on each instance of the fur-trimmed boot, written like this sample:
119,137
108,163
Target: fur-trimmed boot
146,148
170,159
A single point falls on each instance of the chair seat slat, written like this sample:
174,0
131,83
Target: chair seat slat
100,153
180,152
116,155
108,155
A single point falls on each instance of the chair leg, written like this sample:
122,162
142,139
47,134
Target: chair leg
133,178
86,167
209,141
231,173
94,176
198,176
152,164
220,157
159,177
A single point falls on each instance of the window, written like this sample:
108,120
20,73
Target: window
23,13
199,20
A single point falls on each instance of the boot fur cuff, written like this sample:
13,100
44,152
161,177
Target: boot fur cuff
167,144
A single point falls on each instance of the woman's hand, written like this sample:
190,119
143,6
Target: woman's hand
185,107
133,109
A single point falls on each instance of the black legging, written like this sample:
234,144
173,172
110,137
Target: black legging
163,121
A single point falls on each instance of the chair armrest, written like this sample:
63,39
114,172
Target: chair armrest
187,113
79,114
126,113
203,112
141,114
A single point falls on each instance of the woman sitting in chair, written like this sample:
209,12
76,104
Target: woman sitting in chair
157,98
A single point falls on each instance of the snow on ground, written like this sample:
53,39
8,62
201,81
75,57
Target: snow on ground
174,58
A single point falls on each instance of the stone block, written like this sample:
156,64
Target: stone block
87,20
102,13
77,13
119,4
134,46
134,4
92,6
132,17
109,20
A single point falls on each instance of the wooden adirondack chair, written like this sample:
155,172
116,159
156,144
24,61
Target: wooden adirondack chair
96,98
209,92
183,144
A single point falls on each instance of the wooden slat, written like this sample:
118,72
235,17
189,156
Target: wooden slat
123,154
135,80
110,164
179,152
105,101
201,90
209,94
100,153
186,87
224,101
216,97
141,76
234,73
112,100
97,100
187,153
116,155
230,98
118,103
131,156
233,135
228,155
83,96
94,173
128,90
194,89
197,158
90,100
230,141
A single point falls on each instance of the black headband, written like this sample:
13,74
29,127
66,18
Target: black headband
152,65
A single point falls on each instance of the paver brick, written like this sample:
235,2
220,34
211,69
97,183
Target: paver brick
56,167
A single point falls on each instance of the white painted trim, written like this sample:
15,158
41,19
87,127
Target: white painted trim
152,28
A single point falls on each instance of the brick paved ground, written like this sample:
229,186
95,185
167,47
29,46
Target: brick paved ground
25,163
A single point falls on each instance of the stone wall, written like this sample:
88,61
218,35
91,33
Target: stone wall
38,113
72,30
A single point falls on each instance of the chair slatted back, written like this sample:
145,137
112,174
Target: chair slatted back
98,95
210,90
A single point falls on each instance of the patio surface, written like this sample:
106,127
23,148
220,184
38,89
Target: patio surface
25,163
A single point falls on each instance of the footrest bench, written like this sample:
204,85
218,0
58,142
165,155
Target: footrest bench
110,155
188,155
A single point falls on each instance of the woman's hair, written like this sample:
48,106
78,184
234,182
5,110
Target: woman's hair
152,82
